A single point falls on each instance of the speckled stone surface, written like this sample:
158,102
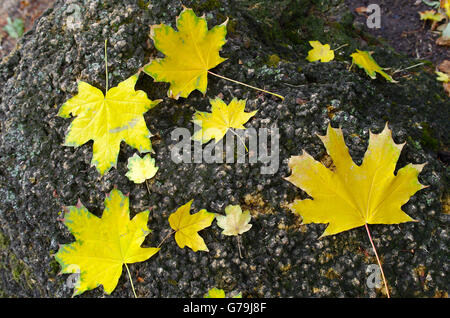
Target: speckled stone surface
281,258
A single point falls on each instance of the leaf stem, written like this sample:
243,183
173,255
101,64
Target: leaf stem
407,68
148,187
253,87
378,260
240,139
131,281
340,47
165,238
239,246
106,66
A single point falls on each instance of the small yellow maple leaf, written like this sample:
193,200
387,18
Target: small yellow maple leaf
320,52
351,196
186,227
219,293
215,125
431,15
108,120
103,245
215,293
141,169
442,77
189,53
445,4
365,61
235,221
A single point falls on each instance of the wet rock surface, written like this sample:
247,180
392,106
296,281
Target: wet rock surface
281,258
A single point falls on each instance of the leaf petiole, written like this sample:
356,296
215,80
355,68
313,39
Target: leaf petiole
131,281
253,87
106,66
340,47
378,260
240,139
239,245
148,187
166,237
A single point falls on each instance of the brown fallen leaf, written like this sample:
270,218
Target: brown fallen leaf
361,10
445,67
447,88
443,40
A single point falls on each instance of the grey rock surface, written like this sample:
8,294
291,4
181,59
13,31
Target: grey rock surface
281,258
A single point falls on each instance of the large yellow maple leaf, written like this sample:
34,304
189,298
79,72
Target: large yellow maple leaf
108,120
349,195
189,53
186,226
223,117
103,245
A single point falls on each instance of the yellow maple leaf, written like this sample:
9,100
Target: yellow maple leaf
107,120
103,245
350,195
186,227
442,77
320,52
235,221
189,53
141,169
215,293
445,4
431,15
365,61
215,125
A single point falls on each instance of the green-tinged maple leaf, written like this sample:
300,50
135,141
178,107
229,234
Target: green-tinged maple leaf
365,61
218,293
108,120
103,245
350,196
141,169
442,77
215,125
235,221
431,15
189,53
320,52
215,293
186,227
